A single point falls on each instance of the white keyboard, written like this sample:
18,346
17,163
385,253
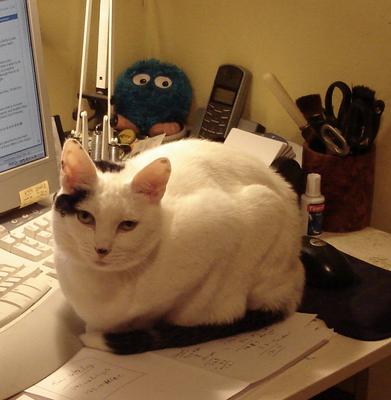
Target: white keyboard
22,280
38,330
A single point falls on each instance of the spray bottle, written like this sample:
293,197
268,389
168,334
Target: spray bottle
312,206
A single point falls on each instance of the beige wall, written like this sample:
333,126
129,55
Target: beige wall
308,44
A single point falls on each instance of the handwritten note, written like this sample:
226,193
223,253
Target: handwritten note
34,193
85,378
214,370
368,244
254,356
96,375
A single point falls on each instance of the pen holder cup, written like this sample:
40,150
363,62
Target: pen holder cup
347,184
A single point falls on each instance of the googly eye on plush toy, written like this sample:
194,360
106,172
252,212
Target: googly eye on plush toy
152,97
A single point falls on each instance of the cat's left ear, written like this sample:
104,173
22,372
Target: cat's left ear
77,169
151,181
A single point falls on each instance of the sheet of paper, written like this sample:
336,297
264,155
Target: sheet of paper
368,244
97,375
215,370
256,355
264,149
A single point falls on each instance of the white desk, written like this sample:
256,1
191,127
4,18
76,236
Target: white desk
342,357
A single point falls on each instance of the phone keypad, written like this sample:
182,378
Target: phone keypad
215,121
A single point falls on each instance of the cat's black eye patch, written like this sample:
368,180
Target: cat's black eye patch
107,166
85,217
66,203
127,225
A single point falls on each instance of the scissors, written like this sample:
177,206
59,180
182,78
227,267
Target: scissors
334,140
340,119
358,115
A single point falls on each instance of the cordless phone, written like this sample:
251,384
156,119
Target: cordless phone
226,102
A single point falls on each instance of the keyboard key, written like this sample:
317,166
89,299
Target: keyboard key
42,223
6,242
15,302
9,268
8,312
23,284
39,283
27,272
43,236
6,285
18,236
31,242
52,273
44,249
17,299
31,230
28,291
49,262
13,280
20,249
3,231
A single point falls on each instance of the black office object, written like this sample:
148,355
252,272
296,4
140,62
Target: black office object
325,266
339,119
358,115
226,102
360,311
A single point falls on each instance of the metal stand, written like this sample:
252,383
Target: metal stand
98,143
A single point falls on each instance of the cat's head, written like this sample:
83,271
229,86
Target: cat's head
105,214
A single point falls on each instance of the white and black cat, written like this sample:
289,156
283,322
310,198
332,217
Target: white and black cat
187,242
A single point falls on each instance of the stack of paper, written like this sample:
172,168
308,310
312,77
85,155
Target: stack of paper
266,148
216,370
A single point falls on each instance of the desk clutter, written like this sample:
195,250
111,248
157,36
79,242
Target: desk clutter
339,146
347,174
217,369
351,127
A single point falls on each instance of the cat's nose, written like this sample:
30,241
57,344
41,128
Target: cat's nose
102,251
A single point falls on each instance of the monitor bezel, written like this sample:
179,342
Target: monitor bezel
16,180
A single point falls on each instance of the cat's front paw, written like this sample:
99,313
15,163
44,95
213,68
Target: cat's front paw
94,340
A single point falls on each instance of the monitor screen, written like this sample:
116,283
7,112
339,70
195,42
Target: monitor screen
27,155
21,133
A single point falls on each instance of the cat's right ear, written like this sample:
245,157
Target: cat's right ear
77,169
152,180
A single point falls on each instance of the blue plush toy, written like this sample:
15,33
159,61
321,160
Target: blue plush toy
152,97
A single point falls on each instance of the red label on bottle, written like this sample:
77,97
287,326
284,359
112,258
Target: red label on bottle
315,208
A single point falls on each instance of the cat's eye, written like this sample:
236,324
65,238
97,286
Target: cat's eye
163,82
141,79
85,217
127,225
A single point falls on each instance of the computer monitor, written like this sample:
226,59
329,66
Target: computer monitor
28,163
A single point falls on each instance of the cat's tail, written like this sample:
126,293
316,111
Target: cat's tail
291,171
165,335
